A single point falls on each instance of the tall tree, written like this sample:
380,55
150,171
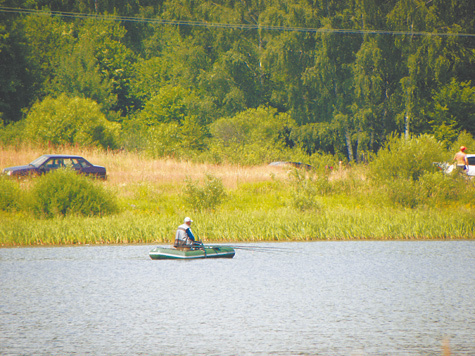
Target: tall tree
417,54
97,66
452,110
330,78
368,86
15,83
287,54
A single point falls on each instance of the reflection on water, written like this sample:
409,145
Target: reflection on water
325,298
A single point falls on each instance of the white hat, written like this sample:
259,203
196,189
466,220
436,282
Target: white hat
187,219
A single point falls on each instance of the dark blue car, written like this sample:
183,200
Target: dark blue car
46,163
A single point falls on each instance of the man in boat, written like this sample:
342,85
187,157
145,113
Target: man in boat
184,238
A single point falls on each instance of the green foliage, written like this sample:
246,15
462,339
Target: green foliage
439,189
463,139
264,196
240,139
148,76
170,124
79,75
43,45
403,172
445,132
316,137
174,140
164,140
401,191
232,80
11,196
64,192
304,191
13,133
169,105
70,121
207,196
250,154
16,87
243,128
325,162
406,159
433,189
344,92
277,224
453,109
97,65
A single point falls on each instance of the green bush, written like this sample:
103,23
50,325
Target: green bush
240,140
273,127
66,120
440,189
249,154
402,192
172,139
463,139
11,196
407,159
206,197
405,171
64,192
433,189
324,161
305,190
12,134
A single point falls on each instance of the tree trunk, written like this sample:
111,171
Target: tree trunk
348,145
358,148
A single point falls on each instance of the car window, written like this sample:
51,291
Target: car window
84,163
68,162
50,164
39,161
76,163
471,161
54,163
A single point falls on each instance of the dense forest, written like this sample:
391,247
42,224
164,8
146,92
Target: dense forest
236,80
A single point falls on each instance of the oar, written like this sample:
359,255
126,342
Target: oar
201,246
267,248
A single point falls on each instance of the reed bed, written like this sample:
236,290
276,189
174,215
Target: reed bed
257,208
257,226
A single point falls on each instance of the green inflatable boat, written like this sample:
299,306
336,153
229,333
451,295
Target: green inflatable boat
164,253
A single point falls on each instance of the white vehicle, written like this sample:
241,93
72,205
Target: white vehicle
471,165
448,168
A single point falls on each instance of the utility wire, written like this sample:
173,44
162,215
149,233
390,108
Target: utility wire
224,25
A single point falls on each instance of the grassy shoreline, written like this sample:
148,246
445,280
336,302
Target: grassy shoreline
259,226
259,207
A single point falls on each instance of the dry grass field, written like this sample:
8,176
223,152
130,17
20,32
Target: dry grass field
124,168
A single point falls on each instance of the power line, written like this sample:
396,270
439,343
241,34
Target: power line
224,25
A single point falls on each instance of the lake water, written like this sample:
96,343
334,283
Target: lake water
318,298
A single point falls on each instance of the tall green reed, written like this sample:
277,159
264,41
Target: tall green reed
283,224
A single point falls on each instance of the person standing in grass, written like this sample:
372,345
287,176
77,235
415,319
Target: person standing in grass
461,158
184,237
